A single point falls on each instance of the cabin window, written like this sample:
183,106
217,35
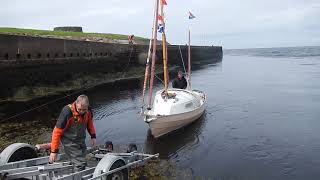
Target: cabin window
29,56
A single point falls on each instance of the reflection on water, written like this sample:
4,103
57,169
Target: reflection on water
261,119
169,146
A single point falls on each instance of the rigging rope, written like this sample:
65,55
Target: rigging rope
42,105
128,64
182,61
55,100
159,78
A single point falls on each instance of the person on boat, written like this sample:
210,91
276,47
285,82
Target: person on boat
70,129
179,82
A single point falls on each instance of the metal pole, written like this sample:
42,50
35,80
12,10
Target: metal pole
189,62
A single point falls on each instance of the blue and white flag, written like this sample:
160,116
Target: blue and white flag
160,28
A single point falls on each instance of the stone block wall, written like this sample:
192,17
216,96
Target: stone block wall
28,61
69,28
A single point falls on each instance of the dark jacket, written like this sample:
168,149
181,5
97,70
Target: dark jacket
179,83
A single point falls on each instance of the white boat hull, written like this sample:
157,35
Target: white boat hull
166,123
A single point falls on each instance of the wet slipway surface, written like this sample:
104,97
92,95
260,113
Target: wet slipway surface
262,119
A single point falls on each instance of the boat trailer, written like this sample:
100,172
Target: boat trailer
19,160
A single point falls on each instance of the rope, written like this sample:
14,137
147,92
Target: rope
131,50
55,100
129,61
159,79
42,105
182,61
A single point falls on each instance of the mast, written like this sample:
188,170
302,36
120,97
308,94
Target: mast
191,16
146,75
189,62
164,51
154,49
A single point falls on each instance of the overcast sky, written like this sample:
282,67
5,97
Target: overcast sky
232,24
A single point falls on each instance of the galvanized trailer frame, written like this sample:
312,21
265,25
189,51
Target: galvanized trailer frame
40,169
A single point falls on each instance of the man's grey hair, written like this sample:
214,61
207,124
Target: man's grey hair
83,100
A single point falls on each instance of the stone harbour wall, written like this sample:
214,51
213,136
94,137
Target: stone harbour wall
28,61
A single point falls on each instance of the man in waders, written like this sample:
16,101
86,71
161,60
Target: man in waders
70,129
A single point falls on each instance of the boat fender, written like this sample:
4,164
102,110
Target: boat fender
17,152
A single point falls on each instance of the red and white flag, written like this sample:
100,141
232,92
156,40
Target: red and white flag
164,2
191,16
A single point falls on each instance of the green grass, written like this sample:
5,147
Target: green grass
33,32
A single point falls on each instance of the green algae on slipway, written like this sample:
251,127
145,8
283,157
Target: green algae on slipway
31,132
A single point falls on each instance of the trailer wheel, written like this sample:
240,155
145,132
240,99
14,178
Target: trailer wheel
120,175
3,176
111,162
17,152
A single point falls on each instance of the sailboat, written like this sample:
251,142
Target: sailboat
172,108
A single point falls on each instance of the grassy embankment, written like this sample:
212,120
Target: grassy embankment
62,34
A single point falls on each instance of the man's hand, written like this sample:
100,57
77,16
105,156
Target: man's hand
53,157
94,141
